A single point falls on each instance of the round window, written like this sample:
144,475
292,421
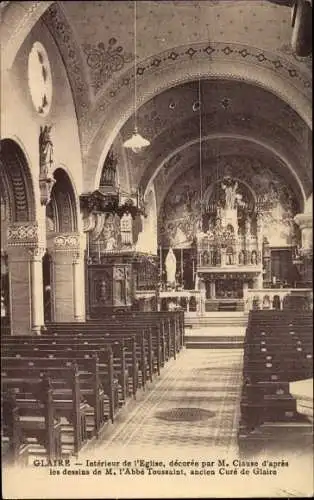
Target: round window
39,79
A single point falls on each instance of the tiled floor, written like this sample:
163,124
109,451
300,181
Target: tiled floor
189,414
205,386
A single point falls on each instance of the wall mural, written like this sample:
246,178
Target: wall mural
180,219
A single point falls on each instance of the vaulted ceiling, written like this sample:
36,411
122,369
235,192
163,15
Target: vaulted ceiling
96,41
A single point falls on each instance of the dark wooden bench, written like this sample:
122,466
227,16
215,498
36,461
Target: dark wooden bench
123,349
278,348
68,401
28,420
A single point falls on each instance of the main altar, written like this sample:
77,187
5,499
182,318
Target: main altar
229,246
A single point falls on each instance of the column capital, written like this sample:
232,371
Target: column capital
36,253
304,221
72,243
25,234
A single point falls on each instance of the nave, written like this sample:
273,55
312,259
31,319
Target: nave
195,405
156,184
191,413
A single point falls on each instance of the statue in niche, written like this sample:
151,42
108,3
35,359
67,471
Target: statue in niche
171,265
45,151
254,257
103,291
241,258
108,175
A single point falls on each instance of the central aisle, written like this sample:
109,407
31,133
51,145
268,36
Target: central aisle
194,404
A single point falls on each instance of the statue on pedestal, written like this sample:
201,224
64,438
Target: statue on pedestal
108,175
171,265
230,195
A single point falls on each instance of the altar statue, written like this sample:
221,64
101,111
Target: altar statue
171,264
231,195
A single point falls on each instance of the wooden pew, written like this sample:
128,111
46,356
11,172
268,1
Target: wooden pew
144,341
67,397
29,419
123,350
278,348
141,343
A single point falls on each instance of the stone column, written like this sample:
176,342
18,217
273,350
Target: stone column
79,286
25,252
305,223
68,278
37,299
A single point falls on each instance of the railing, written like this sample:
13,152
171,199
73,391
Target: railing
278,298
211,258
188,300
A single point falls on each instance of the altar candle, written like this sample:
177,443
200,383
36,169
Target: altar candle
99,251
87,236
274,280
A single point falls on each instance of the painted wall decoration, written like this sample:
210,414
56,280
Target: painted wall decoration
180,214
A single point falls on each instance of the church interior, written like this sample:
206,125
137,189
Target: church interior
156,229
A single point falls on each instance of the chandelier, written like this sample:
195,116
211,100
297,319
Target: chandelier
136,142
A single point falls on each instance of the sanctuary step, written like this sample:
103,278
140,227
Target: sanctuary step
215,337
216,319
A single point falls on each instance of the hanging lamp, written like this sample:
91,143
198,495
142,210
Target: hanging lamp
136,142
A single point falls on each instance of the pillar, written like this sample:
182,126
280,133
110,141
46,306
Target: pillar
25,252
68,277
37,299
305,222
78,286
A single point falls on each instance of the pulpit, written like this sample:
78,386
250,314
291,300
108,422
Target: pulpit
110,288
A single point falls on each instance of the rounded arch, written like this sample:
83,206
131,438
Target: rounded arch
253,140
16,182
18,22
261,68
61,211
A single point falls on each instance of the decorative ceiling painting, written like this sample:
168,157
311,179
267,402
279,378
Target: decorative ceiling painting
180,219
